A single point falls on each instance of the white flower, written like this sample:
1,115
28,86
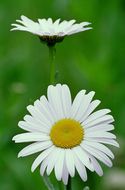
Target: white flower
67,134
49,31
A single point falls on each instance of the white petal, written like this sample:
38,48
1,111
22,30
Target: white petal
43,166
53,156
43,127
48,108
26,20
77,102
105,119
96,165
65,174
29,25
54,97
32,126
99,134
24,125
84,104
85,23
38,115
56,23
50,21
99,155
62,25
70,162
96,115
104,140
68,26
59,164
80,168
19,27
74,28
50,26
100,147
90,109
79,30
82,156
33,148
43,26
29,137
41,157
41,106
100,127
66,100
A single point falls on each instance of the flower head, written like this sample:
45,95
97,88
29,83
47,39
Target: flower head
68,135
50,32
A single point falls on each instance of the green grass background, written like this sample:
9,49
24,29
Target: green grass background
92,60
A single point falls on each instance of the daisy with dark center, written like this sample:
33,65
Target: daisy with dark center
49,31
68,135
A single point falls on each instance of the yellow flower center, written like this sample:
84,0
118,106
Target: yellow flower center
67,133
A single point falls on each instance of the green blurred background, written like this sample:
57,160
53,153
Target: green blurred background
94,60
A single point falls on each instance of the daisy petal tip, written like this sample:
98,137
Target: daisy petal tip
72,175
85,179
13,139
109,110
22,16
42,172
19,155
19,123
65,182
99,102
93,92
34,166
117,145
29,107
12,29
17,20
32,169
101,174
111,166
58,178
92,169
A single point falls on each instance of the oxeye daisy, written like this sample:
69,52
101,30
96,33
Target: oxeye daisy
48,30
68,134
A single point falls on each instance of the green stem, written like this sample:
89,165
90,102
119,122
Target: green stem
47,182
69,186
52,52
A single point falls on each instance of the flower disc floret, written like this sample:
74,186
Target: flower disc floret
67,133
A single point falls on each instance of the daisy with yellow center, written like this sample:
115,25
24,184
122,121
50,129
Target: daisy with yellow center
68,135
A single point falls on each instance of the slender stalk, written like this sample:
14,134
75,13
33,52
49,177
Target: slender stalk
69,186
48,182
52,52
